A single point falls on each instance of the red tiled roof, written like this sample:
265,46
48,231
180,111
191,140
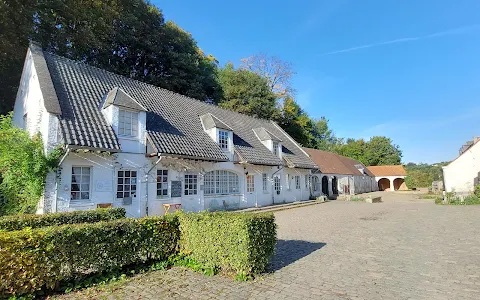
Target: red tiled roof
332,163
395,170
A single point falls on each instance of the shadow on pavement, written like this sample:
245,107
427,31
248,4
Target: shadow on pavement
289,251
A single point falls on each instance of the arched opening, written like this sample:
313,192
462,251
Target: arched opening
335,185
325,185
384,184
315,183
399,184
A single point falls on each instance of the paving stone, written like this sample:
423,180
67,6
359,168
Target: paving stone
402,248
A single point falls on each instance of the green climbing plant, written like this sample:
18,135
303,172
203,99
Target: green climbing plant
23,168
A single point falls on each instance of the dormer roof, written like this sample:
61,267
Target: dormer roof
119,97
210,121
264,135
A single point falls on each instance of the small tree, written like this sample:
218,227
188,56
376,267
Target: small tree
23,168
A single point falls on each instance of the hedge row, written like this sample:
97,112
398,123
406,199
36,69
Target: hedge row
32,259
243,243
18,222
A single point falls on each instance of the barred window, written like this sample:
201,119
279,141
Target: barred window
275,148
306,181
191,183
162,183
297,182
221,182
126,183
80,185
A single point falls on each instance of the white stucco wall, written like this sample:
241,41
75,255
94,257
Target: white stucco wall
346,184
462,174
30,102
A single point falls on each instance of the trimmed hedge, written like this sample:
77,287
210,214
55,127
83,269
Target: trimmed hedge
35,259
19,222
239,242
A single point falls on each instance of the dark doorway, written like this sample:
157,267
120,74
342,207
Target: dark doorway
384,184
335,185
325,185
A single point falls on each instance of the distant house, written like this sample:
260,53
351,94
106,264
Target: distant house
138,146
389,178
337,175
462,174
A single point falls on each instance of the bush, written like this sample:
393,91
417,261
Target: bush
36,259
238,242
18,222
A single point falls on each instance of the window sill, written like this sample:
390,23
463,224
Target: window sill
127,137
221,195
76,203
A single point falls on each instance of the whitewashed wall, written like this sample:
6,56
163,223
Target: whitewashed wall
462,173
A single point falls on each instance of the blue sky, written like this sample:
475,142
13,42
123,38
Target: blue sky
409,70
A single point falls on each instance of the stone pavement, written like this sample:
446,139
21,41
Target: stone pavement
403,248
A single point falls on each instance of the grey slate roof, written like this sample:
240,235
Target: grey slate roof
118,97
210,121
264,135
173,121
46,85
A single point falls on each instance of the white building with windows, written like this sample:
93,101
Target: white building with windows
147,149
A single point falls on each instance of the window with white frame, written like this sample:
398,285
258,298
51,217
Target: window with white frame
297,182
276,184
191,184
221,182
80,185
127,123
275,148
126,183
288,182
265,182
250,183
223,139
307,181
162,183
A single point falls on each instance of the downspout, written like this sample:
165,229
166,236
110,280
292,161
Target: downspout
159,155
54,206
273,183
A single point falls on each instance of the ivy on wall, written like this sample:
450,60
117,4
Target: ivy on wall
23,168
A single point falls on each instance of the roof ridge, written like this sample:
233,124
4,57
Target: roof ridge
84,64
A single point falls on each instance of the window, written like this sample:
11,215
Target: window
250,183
221,182
126,183
127,123
276,184
297,182
288,182
162,183
306,181
191,183
275,148
80,186
315,183
264,182
223,139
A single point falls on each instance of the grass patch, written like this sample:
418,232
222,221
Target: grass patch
453,199
357,199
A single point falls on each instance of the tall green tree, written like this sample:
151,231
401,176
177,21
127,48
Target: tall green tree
127,37
247,92
296,122
381,150
323,136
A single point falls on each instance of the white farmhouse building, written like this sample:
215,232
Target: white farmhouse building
337,175
141,147
462,174
389,178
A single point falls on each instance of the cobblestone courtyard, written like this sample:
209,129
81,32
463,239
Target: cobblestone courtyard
403,248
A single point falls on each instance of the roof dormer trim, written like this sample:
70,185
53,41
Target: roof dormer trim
265,135
117,96
209,121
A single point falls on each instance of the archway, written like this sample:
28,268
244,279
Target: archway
335,185
384,184
325,185
399,184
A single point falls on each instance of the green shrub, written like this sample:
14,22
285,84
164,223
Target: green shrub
476,191
471,200
237,242
18,222
36,259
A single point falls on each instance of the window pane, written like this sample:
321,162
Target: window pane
119,195
120,173
84,196
127,173
134,173
76,170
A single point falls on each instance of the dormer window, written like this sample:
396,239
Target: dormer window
127,123
275,148
223,139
